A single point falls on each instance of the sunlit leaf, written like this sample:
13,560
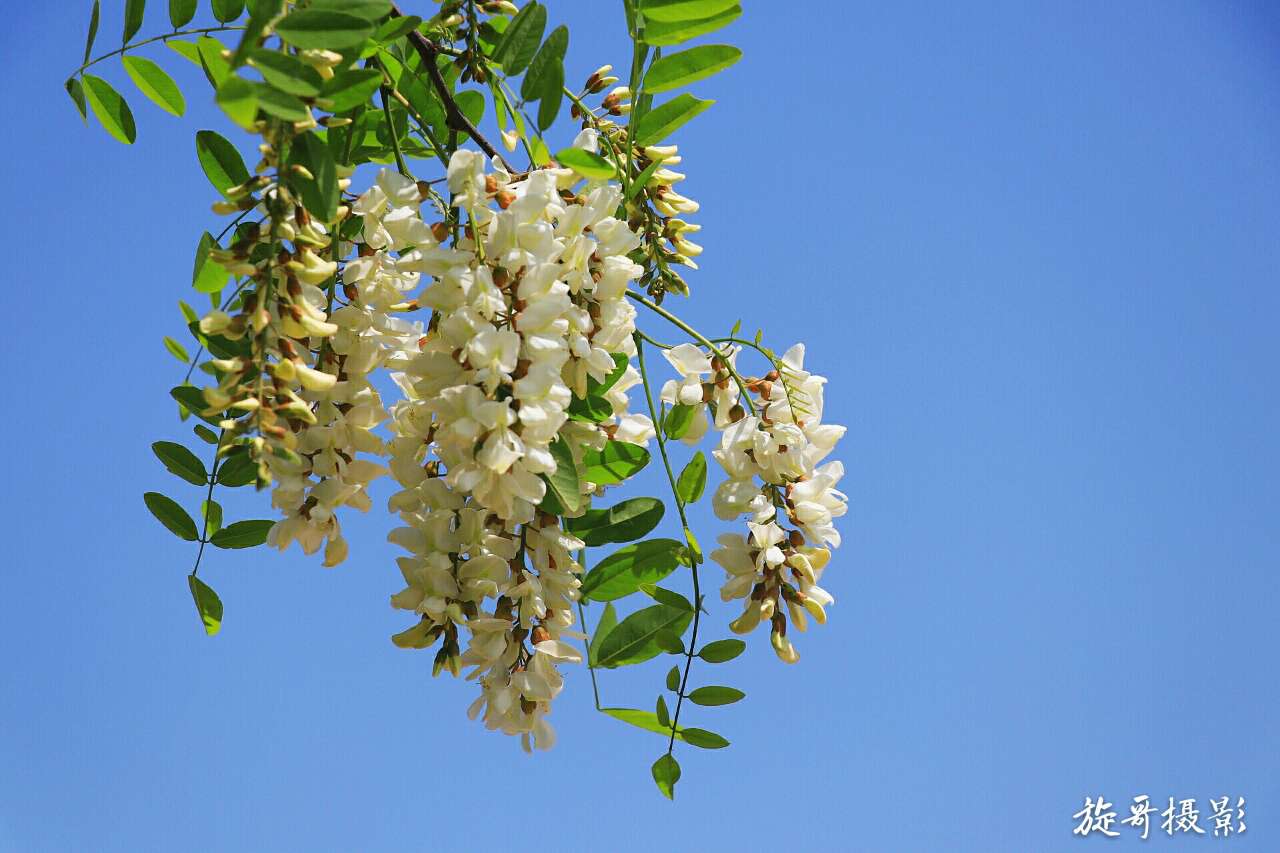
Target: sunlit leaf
181,462
689,66
110,109
627,569
153,82
666,772
208,605
665,119
693,479
243,534
172,516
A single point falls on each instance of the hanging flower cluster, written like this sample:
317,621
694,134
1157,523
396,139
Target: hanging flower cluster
528,311
772,461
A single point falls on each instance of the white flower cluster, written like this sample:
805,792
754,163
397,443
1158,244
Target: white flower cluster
772,461
528,310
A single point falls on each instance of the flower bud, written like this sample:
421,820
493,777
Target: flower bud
782,646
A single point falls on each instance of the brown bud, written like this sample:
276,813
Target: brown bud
737,413
505,198
796,538
540,634
772,376
364,250
440,231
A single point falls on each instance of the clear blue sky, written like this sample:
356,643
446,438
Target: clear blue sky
1034,247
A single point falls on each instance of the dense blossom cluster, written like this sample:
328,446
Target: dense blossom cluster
772,457
526,286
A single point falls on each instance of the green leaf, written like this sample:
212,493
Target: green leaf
673,679
648,721
674,11
662,33
208,276
76,91
281,104
287,73
239,100
237,469
520,41
181,462
216,68
319,29
371,10
221,162
586,163
549,59
243,534
679,419
211,511
471,104
206,435
643,178
693,479
93,29
551,95
716,695
172,516
668,597
191,400
608,621
227,10
665,119
615,463
661,712
348,89
634,639
133,11
563,484
592,410
208,605
624,571
719,651
666,773
319,196
395,28
669,642
704,739
153,82
181,12
689,66
110,109
624,522
694,548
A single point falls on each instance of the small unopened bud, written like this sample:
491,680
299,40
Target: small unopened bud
510,139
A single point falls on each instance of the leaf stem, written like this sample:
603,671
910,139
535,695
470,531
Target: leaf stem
693,558
137,44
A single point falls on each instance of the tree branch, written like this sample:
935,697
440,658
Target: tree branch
454,116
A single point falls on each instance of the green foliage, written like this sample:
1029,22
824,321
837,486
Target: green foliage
665,119
172,516
227,10
94,18
319,193
238,469
673,679
221,162
624,522
347,90
634,640
563,492
287,73
243,534
322,29
133,12
181,12
608,621
153,82
110,108
689,66
618,461
693,479
208,276
720,651
181,462
520,41
208,605
716,695
666,772
666,33
586,163
627,569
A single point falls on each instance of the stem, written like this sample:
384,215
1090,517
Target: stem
453,116
208,498
395,136
164,37
693,559
700,338
586,644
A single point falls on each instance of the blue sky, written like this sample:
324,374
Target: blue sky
1034,247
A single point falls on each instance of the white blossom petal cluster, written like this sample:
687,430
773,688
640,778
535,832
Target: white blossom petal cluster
528,310
777,477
